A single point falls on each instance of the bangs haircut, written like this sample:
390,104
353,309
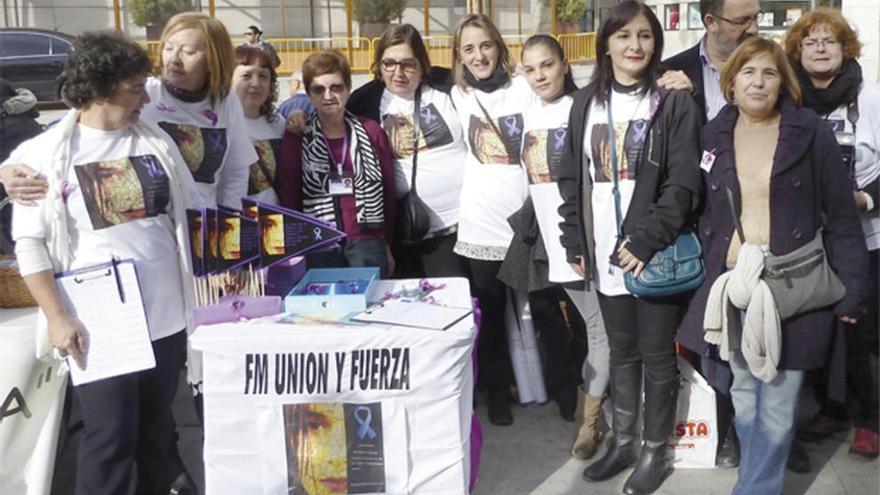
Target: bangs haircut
218,48
603,74
326,62
505,61
249,55
98,62
404,34
747,51
834,20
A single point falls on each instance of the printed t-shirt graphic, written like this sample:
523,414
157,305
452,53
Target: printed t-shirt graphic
542,152
630,148
490,147
268,151
433,131
203,149
122,190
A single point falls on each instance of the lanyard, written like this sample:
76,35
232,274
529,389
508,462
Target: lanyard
344,151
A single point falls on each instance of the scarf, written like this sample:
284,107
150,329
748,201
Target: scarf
499,78
185,95
55,211
317,166
742,289
843,90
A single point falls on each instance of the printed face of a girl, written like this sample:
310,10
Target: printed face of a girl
324,445
631,48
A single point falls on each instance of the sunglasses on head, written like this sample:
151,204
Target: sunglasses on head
318,90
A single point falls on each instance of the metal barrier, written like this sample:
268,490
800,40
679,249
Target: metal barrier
360,51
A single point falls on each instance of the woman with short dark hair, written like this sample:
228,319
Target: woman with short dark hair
340,170
401,69
117,188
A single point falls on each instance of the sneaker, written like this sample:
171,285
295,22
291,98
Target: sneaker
866,443
820,427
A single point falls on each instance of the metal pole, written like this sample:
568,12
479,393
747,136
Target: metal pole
283,20
553,17
426,7
211,8
116,18
329,21
312,17
519,17
349,31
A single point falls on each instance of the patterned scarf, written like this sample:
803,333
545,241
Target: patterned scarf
316,169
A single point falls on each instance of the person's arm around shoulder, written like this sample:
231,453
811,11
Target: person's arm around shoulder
841,226
681,190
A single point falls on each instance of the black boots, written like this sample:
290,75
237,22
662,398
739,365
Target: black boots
499,407
654,464
626,385
661,399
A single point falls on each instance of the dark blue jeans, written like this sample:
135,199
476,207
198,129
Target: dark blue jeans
354,253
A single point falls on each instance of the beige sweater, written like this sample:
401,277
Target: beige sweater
754,148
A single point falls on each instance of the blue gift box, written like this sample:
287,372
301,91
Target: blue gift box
333,290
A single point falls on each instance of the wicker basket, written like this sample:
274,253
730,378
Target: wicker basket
13,292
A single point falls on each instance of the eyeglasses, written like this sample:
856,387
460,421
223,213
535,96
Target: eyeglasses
318,90
407,64
248,33
810,44
742,23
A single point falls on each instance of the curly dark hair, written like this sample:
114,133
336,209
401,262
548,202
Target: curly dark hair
248,55
96,65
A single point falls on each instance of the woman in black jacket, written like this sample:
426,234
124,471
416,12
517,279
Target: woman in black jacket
655,140
402,70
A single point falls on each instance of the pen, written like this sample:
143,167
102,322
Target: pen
115,264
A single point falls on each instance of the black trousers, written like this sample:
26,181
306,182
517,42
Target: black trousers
493,355
562,335
127,426
642,330
430,258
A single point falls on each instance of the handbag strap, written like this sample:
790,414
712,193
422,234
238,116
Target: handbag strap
615,190
735,212
417,115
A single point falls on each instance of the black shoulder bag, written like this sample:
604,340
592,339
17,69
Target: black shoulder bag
413,215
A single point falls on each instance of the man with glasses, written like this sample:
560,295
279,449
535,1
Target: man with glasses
252,38
728,23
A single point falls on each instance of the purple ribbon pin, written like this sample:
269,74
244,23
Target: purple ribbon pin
162,108
211,115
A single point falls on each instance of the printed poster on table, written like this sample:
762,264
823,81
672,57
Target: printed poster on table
286,233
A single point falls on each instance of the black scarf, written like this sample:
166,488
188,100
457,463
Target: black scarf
499,78
843,90
185,95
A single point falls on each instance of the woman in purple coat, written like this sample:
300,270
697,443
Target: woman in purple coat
783,167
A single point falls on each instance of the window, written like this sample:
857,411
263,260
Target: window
673,19
60,46
695,20
24,45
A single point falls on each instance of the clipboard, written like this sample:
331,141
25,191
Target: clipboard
106,299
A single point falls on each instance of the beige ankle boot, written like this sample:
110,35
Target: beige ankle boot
587,435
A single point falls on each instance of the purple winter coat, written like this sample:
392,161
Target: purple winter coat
804,142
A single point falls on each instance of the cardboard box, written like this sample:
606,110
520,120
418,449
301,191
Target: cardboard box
332,289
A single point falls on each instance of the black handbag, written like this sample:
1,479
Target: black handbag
413,215
675,269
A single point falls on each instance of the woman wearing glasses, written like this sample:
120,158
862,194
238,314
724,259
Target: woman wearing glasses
340,170
824,49
403,80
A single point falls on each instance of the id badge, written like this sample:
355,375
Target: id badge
341,185
847,143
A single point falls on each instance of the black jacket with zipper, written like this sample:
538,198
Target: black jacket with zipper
668,187
365,101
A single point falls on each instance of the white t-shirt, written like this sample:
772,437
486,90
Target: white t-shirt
117,204
213,141
495,184
631,114
266,138
441,151
867,150
543,143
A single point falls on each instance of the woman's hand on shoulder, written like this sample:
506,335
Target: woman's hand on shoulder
67,334
297,122
23,184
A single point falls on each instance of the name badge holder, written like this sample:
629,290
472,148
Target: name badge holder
339,183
